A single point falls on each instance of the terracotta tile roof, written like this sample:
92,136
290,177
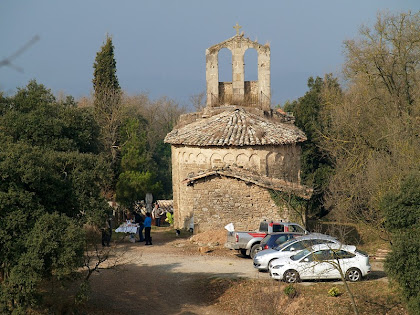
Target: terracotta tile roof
235,128
249,176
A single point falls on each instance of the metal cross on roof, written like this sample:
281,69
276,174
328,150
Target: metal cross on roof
237,27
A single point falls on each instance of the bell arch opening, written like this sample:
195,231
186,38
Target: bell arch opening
225,75
251,76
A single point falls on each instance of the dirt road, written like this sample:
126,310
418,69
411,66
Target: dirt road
170,277
166,278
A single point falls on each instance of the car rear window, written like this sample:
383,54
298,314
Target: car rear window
321,241
265,239
296,228
362,253
342,254
264,226
278,228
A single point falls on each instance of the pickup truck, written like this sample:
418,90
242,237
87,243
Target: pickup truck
248,242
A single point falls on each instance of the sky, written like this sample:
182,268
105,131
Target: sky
160,44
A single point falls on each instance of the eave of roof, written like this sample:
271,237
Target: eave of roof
256,179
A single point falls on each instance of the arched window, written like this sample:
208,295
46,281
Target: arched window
225,76
251,76
251,65
225,65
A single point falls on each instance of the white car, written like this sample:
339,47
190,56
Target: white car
263,258
324,261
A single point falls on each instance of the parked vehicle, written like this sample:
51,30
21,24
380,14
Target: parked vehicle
263,258
248,242
275,239
322,261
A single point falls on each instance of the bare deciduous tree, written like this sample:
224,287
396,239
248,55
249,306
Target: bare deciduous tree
373,131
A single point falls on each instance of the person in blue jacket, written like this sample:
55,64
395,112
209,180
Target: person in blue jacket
147,228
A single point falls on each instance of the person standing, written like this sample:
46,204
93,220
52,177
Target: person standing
147,228
107,232
139,219
156,213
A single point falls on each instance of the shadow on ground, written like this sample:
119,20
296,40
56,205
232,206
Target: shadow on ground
154,290
160,236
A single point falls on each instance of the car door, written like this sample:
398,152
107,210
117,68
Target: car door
345,260
306,267
324,265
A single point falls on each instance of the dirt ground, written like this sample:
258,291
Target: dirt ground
177,275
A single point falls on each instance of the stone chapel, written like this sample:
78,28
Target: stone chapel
227,158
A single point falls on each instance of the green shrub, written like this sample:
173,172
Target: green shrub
402,210
290,291
334,292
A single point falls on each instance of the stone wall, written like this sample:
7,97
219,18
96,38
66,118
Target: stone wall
225,93
251,97
217,201
277,161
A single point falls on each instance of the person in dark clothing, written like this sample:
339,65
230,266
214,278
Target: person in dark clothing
139,219
107,233
147,228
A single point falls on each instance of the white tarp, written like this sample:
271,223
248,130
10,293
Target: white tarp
230,227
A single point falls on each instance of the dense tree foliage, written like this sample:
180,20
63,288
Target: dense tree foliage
34,117
132,133
372,136
145,159
402,212
316,164
138,169
375,126
50,186
368,135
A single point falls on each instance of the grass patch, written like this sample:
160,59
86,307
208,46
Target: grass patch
269,297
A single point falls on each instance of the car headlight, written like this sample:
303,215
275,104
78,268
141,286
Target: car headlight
277,266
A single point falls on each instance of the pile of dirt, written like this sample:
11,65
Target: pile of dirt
210,238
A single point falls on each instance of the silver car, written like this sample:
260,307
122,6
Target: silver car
263,258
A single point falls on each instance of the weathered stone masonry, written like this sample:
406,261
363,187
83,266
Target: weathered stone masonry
225,158
238,91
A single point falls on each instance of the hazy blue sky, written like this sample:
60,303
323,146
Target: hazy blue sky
160,45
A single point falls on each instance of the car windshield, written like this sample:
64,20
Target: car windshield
280,247
301,254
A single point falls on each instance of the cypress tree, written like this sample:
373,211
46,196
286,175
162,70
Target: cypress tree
107,101
105,81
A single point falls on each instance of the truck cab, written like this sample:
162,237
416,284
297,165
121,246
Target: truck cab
248,242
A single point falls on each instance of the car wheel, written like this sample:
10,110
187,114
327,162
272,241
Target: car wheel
243,252
353,275
254,250
291,276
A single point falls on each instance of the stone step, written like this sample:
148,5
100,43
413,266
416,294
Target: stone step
380,254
